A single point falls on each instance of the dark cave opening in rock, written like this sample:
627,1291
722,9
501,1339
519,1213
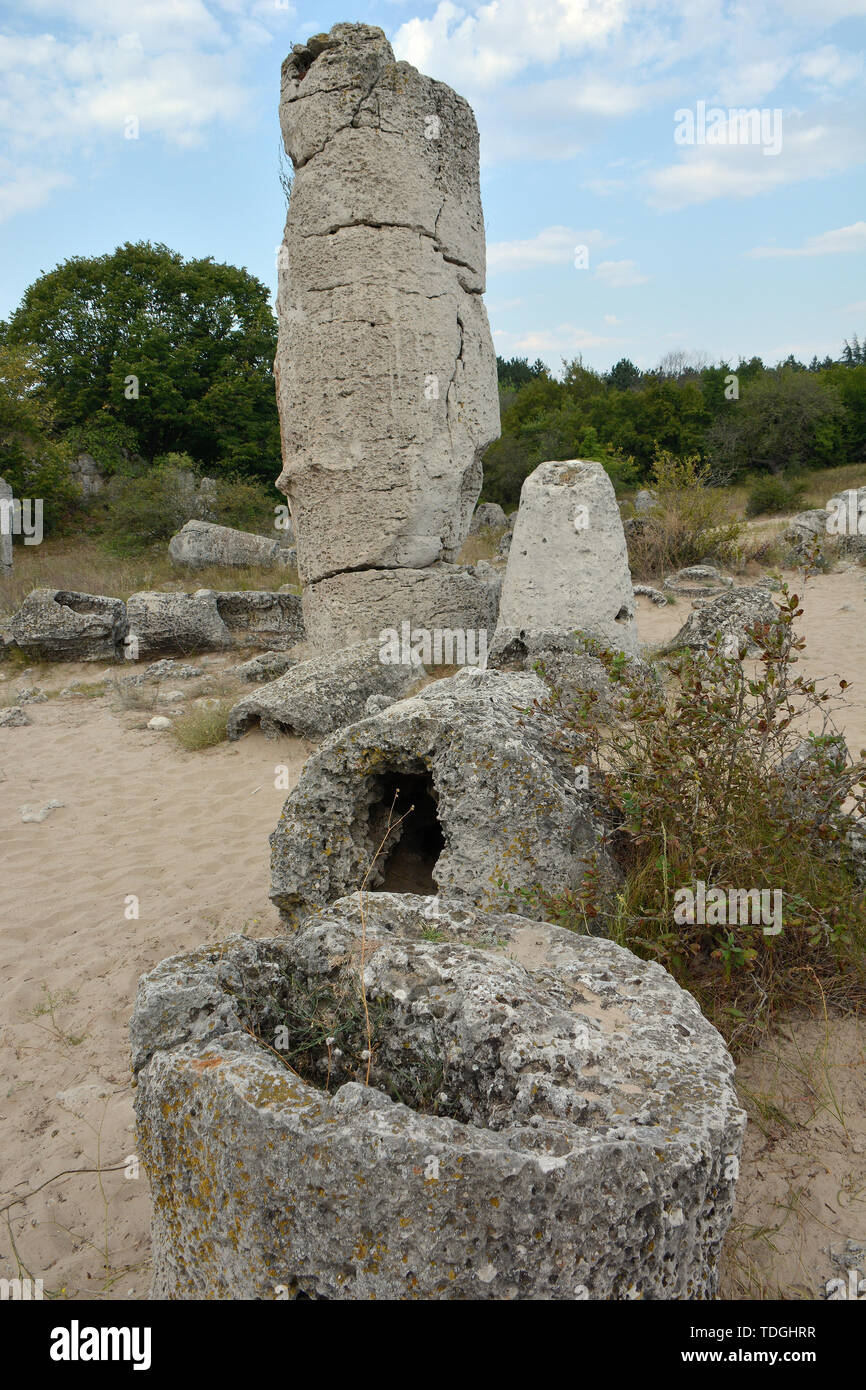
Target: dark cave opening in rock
411,851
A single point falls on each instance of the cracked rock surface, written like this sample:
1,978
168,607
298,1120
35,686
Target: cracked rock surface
386,373
490,784
548,1117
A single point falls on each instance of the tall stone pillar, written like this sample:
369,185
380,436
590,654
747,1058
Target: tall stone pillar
386,373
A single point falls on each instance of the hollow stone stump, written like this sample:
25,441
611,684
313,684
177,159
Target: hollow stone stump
568,562
386,373
548,1117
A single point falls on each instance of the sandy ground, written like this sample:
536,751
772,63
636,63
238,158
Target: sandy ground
186,834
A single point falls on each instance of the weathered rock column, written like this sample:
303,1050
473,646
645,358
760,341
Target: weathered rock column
568,562
5,528
386,374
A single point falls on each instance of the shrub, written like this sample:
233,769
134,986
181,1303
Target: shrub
771,495
697,783
691,521
202,726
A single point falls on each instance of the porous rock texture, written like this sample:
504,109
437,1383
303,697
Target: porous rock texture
262,617
386,374
568,562
488,516
318,696
487,781
351,607
160,622
201,543
61,625
6,556
698,581
726,618
565,661
548,1117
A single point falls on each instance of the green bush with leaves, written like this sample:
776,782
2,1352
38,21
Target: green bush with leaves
722,778
33,460
771,496
690,522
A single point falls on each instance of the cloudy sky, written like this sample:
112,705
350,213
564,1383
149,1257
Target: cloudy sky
605,125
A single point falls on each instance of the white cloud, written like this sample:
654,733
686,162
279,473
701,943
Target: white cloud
833,243
177,66
827,69
552,246
25,188
620,275
564,338
501,39
813,146
611,319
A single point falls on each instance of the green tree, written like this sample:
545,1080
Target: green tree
178,352
32,460
785,419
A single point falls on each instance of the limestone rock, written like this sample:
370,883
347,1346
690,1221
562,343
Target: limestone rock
187,623
698,581
201,543
491,784
59,625
6,555
568,562
567,663
386,373
647,591
316,697
13,717
808,529
727,617
644,502
351,607
39,813
264,667
261,617
87,475
568,1101
487,516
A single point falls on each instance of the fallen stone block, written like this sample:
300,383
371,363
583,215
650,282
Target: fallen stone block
199,544
186,623
547,1116
313,698
60,625
261,617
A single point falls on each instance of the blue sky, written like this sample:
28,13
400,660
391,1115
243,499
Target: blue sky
713,248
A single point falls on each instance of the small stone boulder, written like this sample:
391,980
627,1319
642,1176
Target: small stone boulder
264,667
60,625
547,1116
202,543
488,516
726,617
698,581
13,717
313,698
